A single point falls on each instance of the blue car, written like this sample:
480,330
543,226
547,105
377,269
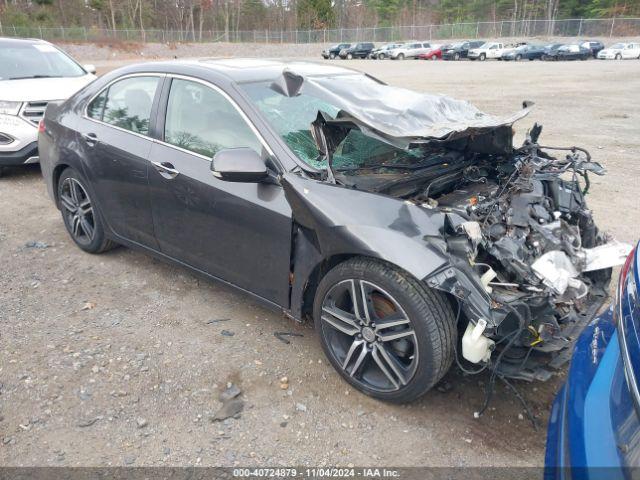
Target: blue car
594,429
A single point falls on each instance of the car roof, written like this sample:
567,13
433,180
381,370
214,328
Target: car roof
242,70
14,42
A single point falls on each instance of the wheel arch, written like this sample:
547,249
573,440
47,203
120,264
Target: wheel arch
309,265
55,178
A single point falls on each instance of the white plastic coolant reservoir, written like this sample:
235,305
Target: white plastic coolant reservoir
475,346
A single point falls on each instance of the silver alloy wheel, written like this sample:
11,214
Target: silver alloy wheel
77,209
369,335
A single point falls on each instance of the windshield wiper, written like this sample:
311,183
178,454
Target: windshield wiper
34,76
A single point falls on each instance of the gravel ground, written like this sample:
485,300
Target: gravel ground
119,359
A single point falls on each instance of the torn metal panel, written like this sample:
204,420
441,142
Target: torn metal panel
405,114
605,256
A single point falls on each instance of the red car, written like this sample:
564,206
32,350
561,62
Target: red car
435,53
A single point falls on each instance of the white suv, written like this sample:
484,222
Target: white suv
409,50
488,50
32,74
620,51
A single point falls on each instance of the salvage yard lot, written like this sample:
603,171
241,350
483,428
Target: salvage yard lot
118,359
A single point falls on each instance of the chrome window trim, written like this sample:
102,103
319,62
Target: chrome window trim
86,116
217,89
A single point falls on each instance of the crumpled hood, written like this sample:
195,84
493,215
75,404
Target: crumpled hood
42,89
404,114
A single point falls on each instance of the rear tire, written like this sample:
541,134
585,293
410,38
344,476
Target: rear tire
518,57
398,362
332,56
456,56
381,56
81,214
401,56
618,56
349,56
482,57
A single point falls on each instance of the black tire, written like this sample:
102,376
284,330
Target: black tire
482,57
429,319
618,56
92,240
349,56
518,57
400,56
456,56
381,56
433,57
332,56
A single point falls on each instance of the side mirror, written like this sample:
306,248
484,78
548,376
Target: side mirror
239,165
90,68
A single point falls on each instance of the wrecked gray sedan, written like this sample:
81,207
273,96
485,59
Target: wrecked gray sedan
407,226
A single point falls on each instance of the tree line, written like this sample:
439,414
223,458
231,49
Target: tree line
226,16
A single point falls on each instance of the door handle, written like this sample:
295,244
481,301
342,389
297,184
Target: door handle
90,138
166,169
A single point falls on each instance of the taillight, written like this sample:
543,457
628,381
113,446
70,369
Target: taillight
627,264
41,126
622,282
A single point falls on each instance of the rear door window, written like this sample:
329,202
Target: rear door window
126,104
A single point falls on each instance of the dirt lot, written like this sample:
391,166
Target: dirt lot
134,380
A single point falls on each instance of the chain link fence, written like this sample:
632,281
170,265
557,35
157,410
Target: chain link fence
598,28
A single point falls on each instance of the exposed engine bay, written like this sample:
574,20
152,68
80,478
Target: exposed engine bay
518,224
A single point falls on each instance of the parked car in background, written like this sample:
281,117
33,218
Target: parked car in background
333,51
569,52
409,50
549,50
32,74
434,53
620,51
594,45
595,419
359,50
524,52
456,51
487,50
383,52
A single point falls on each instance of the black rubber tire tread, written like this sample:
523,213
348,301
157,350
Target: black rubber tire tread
429,310
100,243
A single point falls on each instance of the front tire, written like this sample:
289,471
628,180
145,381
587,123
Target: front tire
349,56
384,331
332,56
482,57
381,56
401,56
456,56
80,213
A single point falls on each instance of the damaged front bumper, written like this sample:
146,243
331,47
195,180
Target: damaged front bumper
527,263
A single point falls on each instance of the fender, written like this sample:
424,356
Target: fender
334,221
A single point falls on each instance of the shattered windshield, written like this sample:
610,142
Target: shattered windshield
291,117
